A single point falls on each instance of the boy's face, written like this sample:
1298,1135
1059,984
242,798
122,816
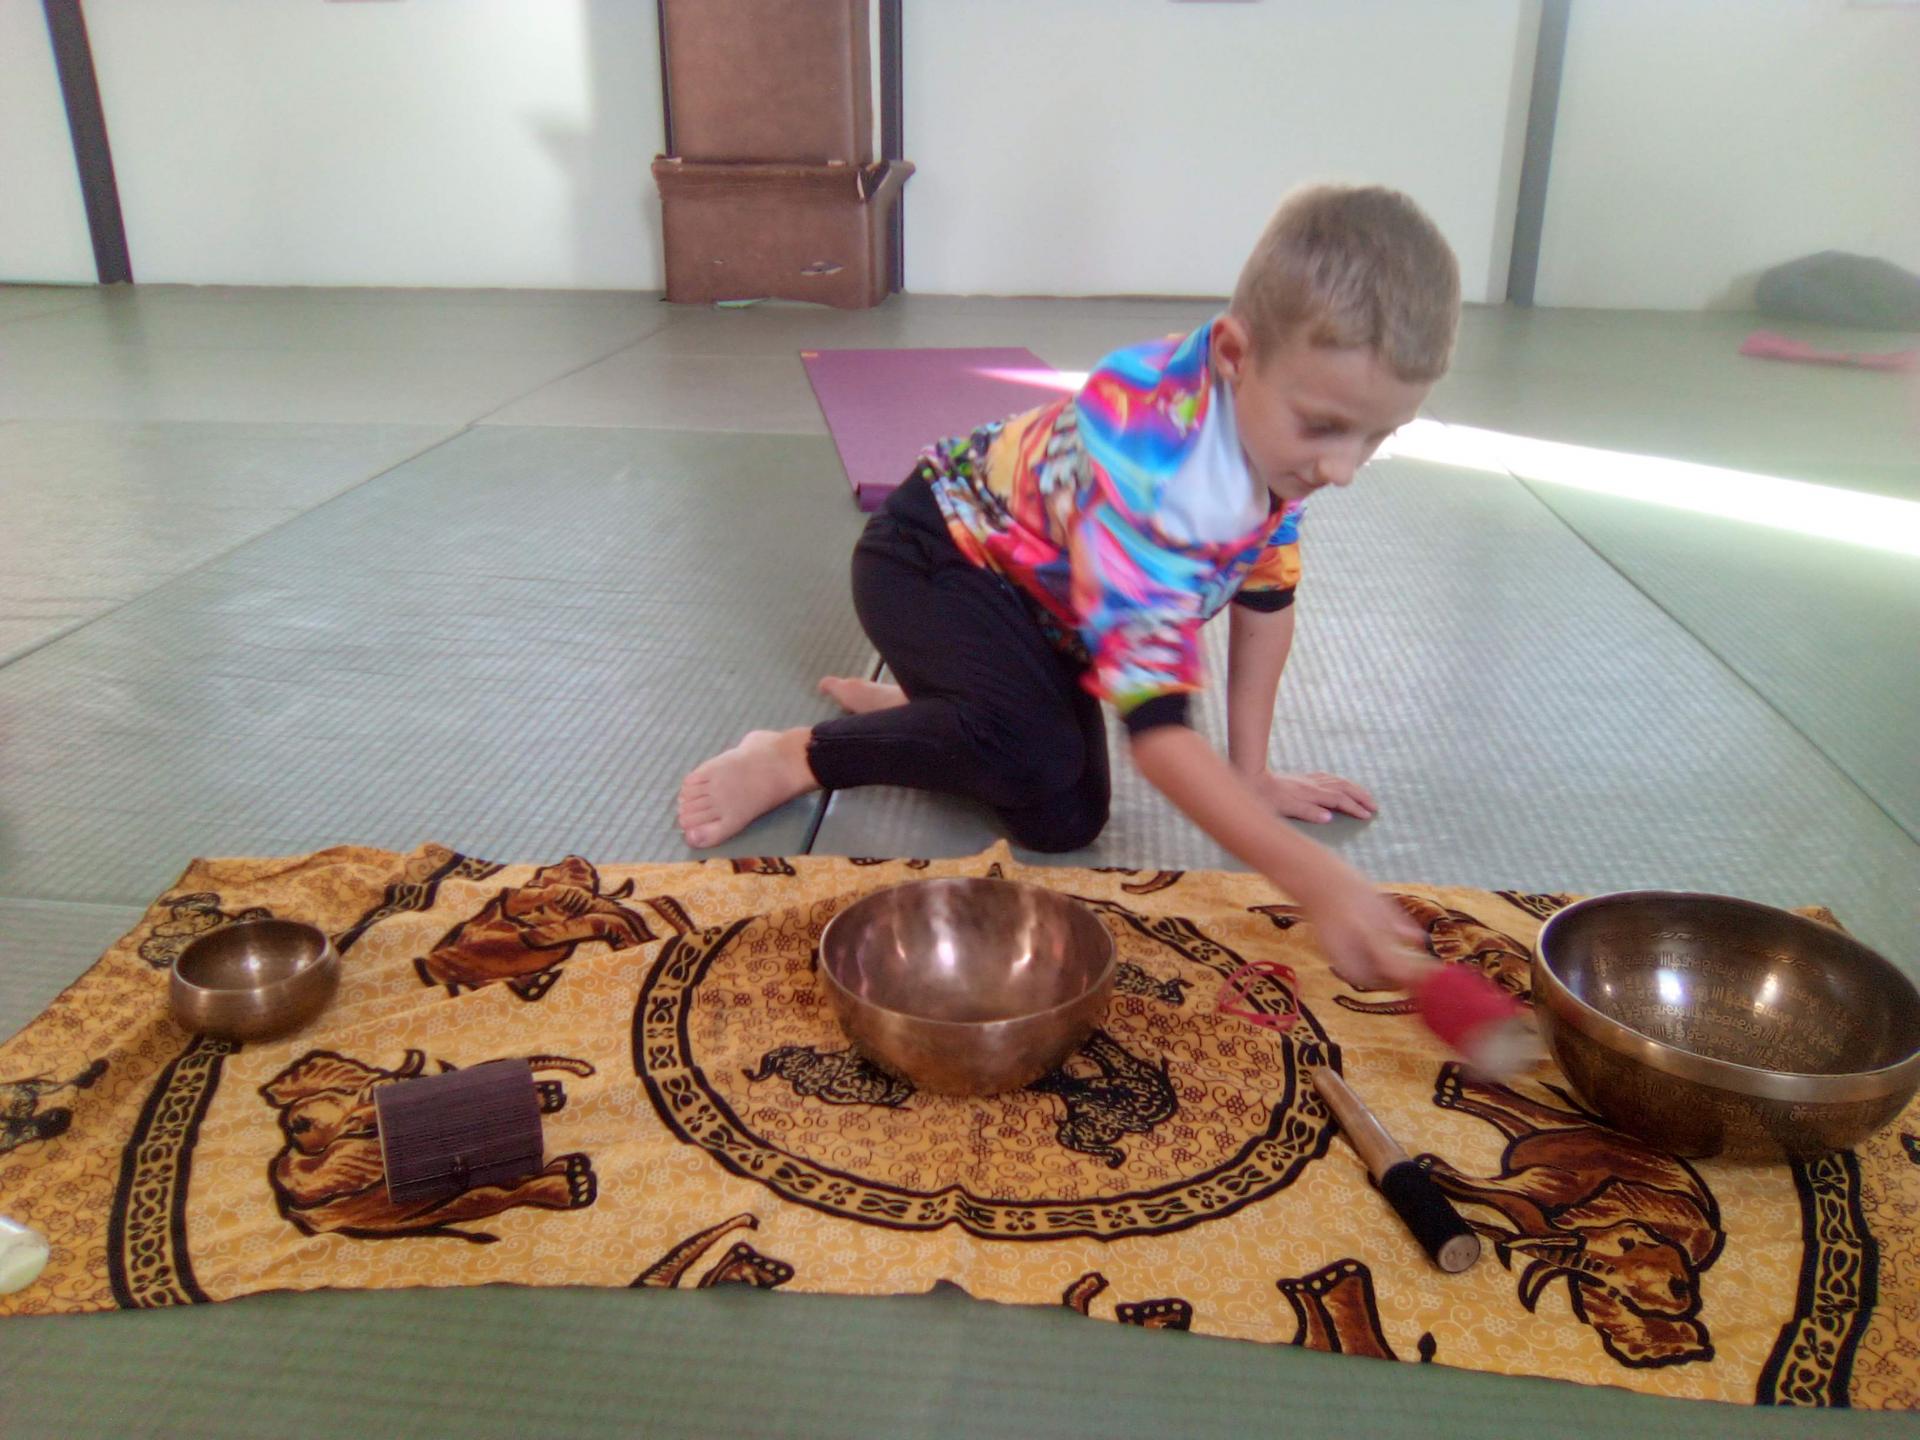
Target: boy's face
1309,416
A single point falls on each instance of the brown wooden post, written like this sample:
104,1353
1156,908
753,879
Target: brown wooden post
770,187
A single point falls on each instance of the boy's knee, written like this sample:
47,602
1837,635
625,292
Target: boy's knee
1070,828
1026,766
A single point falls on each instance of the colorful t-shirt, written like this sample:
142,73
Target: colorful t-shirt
1105,508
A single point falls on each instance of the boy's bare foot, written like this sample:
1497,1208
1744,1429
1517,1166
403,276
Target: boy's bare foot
861,697
736,787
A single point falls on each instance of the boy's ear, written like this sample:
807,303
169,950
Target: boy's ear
1231,347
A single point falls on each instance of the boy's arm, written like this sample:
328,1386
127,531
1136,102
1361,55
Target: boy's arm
1258,643
1369,940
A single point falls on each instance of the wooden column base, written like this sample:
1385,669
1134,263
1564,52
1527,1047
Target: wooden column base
746,231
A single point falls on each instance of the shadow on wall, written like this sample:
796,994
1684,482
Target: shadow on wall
606,149
1513,149
1737,293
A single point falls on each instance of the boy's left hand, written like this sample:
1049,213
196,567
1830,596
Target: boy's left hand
1315,796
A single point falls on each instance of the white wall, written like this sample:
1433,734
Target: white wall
1077,147
1066,147
43,221
429,142
1701,141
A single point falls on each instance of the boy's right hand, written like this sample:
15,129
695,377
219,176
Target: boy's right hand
1314,796
1370,942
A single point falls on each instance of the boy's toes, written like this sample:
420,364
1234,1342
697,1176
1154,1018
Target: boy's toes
701,832
697,810
861,697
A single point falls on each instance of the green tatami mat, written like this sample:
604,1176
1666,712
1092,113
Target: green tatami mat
518,642
1675,385
1827,632
725,1363
43,945
1682,418
93,514
738,393
131,357
515,644
1067,332
574,325
1823,630
1525,717
739,370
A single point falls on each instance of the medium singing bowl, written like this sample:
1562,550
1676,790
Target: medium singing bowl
253,979
1712,1026
967,987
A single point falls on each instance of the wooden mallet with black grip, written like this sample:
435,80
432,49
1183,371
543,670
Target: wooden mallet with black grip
1448,1240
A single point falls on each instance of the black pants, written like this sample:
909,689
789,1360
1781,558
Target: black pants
995,713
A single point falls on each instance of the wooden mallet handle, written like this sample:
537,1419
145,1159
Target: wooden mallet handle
1448,1240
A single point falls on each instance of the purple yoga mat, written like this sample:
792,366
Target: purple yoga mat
885,406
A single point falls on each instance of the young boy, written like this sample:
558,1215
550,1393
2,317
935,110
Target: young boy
1070,555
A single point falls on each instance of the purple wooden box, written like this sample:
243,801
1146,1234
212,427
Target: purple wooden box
442,1134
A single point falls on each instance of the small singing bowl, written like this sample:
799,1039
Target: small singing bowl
253,979
967,987
1709,1026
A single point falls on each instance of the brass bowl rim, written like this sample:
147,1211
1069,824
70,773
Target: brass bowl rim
1109,966
1798,1086
319,958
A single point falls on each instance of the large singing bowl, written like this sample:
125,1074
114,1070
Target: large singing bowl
967,987
1711,1026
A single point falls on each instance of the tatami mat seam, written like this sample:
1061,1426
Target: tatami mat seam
53,639
448,438
620,349
824,800
1533,490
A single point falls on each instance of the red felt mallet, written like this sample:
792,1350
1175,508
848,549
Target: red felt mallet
1476,1019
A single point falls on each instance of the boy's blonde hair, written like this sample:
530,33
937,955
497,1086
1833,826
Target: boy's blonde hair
1347,266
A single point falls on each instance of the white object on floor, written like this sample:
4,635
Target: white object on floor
23,1255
